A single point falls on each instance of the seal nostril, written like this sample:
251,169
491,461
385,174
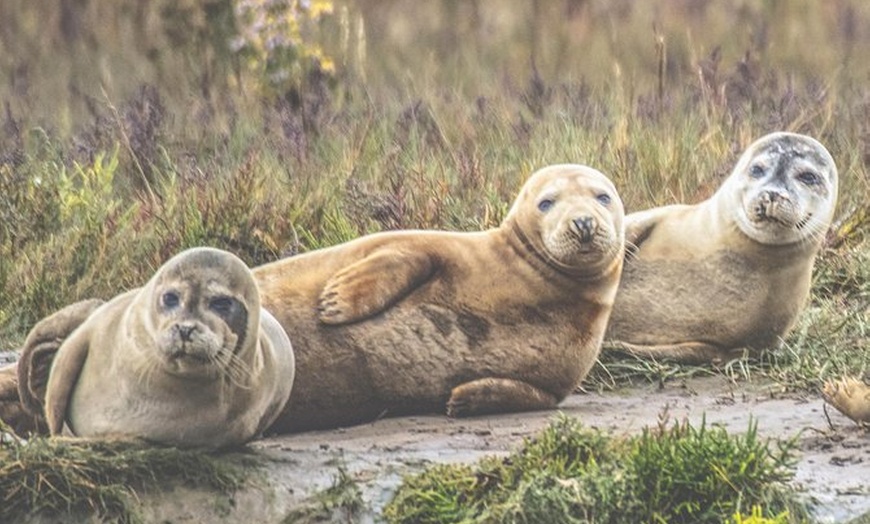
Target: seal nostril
185,331
585,227
773,196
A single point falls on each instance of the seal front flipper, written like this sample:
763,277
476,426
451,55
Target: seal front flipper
639,226
373,284
684,352
497,395
40,347
65,370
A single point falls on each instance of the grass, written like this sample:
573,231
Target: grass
670,473
341,502
55,478
123,142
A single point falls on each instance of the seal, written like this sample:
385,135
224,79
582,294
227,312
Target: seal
403,322
851,397
706,282
22,384
191,359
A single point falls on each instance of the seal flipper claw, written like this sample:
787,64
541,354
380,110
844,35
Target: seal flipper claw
373,284
497,395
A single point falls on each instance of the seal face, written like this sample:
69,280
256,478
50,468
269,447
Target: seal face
190,359
502,320
199,323
787,189
705,282
566,214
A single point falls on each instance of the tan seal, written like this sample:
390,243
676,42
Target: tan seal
507,319
704,282
190,359
851,397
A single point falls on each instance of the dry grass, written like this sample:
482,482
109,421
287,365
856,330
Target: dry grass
105,176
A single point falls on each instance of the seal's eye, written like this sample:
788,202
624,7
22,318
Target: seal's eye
545,204
809,178
221,305
170,300
756,171
603,199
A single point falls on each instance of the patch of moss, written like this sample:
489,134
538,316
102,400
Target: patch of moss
341,502
56,477
676,473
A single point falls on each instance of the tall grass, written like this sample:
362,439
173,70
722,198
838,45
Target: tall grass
130,133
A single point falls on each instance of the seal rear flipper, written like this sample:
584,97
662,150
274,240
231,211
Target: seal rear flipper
851,397
40,347
497,395
373,284
63,377
684,352
12,412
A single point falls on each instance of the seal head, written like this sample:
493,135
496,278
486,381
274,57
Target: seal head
787,189
570,217
199,325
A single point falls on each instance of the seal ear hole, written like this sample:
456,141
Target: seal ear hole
545,204
603,199
223,306
170,300
809,178
756,171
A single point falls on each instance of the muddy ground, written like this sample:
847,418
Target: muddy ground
834,467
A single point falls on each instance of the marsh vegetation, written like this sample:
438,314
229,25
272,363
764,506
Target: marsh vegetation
133,131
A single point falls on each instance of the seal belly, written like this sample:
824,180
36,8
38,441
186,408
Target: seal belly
701,294
449,347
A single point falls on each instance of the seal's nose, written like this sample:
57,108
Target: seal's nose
770,196
768,201
185,331
585,227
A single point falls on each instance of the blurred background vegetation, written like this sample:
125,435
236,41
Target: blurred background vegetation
130,131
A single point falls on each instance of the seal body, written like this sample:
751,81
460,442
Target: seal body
508,319
704,282
190,359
